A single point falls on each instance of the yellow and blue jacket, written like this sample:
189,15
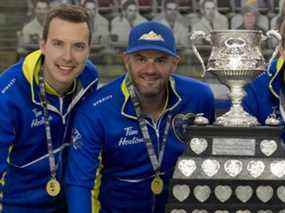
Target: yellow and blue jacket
24,165
107,136
263,94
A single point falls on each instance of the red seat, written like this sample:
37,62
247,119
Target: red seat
145,2
105,3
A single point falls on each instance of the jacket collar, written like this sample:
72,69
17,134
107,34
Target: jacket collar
128,110
31,68
274,73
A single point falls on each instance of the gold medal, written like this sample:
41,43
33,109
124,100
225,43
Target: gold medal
157,185
53,187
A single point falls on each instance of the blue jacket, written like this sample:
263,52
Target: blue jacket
24,165
107,141
263,93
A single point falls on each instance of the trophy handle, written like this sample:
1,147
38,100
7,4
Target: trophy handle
198,35
273,34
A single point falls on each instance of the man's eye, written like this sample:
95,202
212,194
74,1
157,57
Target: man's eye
79,46
161,60
141,59
57,43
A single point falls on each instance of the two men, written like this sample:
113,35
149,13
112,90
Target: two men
37,98
126,126
123,134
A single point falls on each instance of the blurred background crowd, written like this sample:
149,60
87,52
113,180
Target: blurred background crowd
21,25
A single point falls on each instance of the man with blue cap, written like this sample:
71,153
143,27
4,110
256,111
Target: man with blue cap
123,136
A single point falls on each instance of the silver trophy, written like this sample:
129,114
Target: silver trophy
235,60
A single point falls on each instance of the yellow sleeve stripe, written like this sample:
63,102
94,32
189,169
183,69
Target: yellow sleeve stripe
280,63
96,206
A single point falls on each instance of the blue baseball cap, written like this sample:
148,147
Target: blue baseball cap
151,35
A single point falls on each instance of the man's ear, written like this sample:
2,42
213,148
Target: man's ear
125,58
42,44
176,61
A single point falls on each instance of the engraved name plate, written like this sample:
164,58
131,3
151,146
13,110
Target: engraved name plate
233,146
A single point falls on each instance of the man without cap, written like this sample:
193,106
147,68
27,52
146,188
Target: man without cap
37,98
123,133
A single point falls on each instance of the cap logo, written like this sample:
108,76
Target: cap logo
151,36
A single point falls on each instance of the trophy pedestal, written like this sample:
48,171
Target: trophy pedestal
226,169
237,117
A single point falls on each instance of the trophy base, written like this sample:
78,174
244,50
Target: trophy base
229,170
236,117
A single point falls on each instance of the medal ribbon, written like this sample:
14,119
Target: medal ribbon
51,157
155,162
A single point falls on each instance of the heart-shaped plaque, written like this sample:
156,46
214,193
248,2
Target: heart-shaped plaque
278,168
187,166
198,145
180,123
233,167
244,193
181,192
178,211
255,168
264,193
199,211
202,193
243,211
268,147
223,193
210,167
281,193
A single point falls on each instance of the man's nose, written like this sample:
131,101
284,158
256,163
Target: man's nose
150,65
67,55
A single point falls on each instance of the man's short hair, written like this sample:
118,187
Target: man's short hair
71,13
165,2
127,3
41,1
89,1
203,2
